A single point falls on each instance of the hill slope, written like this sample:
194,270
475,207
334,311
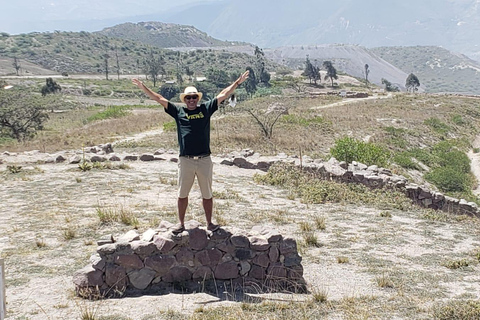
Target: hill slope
346,58
83,52
163,35
437,68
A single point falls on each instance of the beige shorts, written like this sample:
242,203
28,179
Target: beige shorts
189,168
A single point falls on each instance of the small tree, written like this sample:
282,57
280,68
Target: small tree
16,65
21,114
50,87
367,71
267,119
263,77
218,77
169,91
389,87
154,67
251,82
412,83
311,71
106,56
331,71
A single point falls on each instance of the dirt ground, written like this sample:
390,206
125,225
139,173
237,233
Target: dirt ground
42,203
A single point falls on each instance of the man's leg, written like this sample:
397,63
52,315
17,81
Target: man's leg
204,176
208,208
182,205
186,176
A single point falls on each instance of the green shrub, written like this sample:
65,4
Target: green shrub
455,159
110,112
350,149
404,159
437,125
449,179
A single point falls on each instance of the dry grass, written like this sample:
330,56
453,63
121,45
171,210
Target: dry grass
368,255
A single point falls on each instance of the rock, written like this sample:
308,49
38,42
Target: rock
147,157
142,278
227,270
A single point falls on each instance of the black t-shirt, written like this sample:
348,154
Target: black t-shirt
193,127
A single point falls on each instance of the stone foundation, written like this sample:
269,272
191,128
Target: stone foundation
193,260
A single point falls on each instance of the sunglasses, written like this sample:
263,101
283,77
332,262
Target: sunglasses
191,97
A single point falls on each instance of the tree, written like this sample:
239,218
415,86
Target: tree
218,77
169,91
50,87
251,82
412,83
331,71
21,114
367,71
16,64
106,56
154,67
118,63
389,87
267,119
263,77
311,72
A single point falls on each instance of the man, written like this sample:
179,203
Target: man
193,131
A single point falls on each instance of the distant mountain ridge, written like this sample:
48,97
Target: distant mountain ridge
164,35
453,24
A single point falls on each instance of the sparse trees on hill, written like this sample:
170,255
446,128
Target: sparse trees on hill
412,83
331,71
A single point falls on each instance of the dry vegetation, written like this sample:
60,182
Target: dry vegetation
376,257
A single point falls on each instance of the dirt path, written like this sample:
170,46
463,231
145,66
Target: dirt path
347,101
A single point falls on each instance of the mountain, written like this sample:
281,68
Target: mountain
437,68
453,24
163,35
348,59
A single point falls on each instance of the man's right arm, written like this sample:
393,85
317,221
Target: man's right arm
153,95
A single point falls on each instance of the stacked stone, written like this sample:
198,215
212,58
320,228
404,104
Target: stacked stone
158,258
373,177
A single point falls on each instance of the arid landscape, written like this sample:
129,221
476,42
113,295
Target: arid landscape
382,260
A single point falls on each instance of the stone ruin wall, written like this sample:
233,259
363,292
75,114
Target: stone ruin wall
160,260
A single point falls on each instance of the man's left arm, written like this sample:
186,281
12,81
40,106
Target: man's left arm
225,93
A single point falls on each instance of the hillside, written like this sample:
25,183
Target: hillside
346,58
163,35
454,25
83,52
437,68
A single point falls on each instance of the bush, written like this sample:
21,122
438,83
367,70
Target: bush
350,149
404,159
449,179
110,112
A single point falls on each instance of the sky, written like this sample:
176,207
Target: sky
24,16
